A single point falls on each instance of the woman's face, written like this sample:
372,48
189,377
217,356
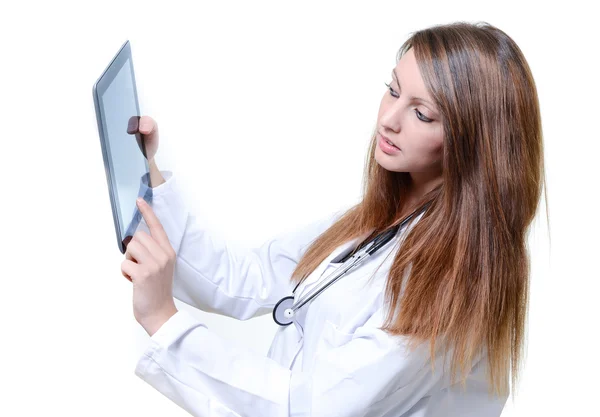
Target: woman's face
408,118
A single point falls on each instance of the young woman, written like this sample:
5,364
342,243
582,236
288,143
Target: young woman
432,324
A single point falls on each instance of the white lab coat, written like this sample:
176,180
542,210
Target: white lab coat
333,361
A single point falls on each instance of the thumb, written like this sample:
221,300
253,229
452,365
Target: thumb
147,125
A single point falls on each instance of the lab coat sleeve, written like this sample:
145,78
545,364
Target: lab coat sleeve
216,276
368,373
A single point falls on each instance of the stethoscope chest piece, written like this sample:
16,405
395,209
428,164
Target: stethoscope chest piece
283,313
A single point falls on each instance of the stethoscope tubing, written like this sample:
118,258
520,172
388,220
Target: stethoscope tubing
319,289
355,260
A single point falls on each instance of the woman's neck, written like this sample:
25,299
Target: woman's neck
422,183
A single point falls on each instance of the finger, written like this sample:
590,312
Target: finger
154,249
129,256
143,124
138,251
133,124
129,269
148,126
156,229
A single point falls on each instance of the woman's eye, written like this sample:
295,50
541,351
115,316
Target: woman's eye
392,92
424,119
420,115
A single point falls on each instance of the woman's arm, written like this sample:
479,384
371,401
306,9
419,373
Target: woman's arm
156,177
368,373
216,276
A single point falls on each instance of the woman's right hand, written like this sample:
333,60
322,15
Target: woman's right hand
145,130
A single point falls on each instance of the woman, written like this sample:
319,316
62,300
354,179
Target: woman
435,328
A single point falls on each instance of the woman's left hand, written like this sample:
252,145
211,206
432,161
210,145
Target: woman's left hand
149,265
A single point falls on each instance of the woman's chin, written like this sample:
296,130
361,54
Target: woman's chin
386,161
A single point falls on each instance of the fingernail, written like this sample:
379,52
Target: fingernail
139,201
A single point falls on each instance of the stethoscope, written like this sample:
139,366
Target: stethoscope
285,309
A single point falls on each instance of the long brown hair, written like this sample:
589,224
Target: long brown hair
467,256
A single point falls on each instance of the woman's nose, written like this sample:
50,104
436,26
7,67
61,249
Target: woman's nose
390,119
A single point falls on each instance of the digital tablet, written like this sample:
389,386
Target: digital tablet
124,154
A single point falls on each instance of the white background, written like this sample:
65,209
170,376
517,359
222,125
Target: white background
265,111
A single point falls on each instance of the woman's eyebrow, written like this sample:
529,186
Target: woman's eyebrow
411,97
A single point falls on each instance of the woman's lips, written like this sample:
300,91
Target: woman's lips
386,147
388,139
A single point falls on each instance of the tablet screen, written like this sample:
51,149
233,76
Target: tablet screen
118,112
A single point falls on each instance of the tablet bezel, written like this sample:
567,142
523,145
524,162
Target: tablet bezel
100,86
